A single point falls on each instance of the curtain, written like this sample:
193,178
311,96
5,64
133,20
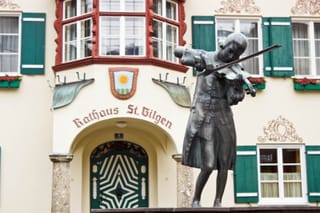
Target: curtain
9,44
291,185
301,48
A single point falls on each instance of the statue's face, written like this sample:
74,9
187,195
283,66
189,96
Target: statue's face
230,52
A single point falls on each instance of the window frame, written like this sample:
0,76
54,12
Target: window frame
19,16
281,200
97,58
78,39
237,21
78,9
165,22
122,36
311,42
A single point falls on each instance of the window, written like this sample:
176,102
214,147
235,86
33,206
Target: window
9,44
77,41
165,30
22,43
251,30
281,174
306,46
122,35
119,31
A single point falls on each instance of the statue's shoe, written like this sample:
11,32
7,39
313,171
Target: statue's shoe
217,203
196,204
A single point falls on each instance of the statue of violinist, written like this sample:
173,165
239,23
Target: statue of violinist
210,138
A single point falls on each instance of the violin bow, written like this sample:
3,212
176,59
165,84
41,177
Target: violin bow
219,67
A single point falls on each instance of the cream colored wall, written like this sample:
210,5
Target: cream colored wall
26,130
30,131
97,96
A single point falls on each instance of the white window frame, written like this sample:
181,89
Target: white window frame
312,50
281,200
123,9
78,9
18,15
164,42
78,39
164,11
122,38
237,22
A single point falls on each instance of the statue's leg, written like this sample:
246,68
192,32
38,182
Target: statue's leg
201,182
220,186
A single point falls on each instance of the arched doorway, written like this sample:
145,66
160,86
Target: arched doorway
119,176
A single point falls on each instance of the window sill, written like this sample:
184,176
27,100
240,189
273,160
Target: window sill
259,83
122,61
306,83
10,81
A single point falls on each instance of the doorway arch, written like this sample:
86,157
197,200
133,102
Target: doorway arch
119,176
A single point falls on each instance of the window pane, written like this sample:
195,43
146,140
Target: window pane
269,190
268,156
86,6
157,39
293,189
134,31
70,8
317,46
8,63
86,40
225,27
70,47
157,7
110,35
301,48
249,29
171,10
134,5
122,5
9,44
171,42
109,5
291,155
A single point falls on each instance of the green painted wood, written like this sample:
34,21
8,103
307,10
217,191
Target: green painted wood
246,175
278,30
313,172
33,43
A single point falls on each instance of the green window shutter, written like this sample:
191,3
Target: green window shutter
280,61
246,175
203,33
313,172
33,43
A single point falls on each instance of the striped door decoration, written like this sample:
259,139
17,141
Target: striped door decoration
119,176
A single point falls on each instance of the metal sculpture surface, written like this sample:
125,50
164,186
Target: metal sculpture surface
210,138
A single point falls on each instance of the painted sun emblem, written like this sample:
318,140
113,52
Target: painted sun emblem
123,81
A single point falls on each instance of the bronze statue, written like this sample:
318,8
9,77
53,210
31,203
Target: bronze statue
210,138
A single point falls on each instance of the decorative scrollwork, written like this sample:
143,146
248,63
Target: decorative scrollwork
306,7
280,130
238,7
8,4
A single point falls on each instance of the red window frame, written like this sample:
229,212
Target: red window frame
126,60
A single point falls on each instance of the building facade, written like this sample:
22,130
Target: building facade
95,104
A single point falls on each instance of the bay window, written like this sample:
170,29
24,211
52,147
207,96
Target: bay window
9,44
306,46
119,31
251,30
